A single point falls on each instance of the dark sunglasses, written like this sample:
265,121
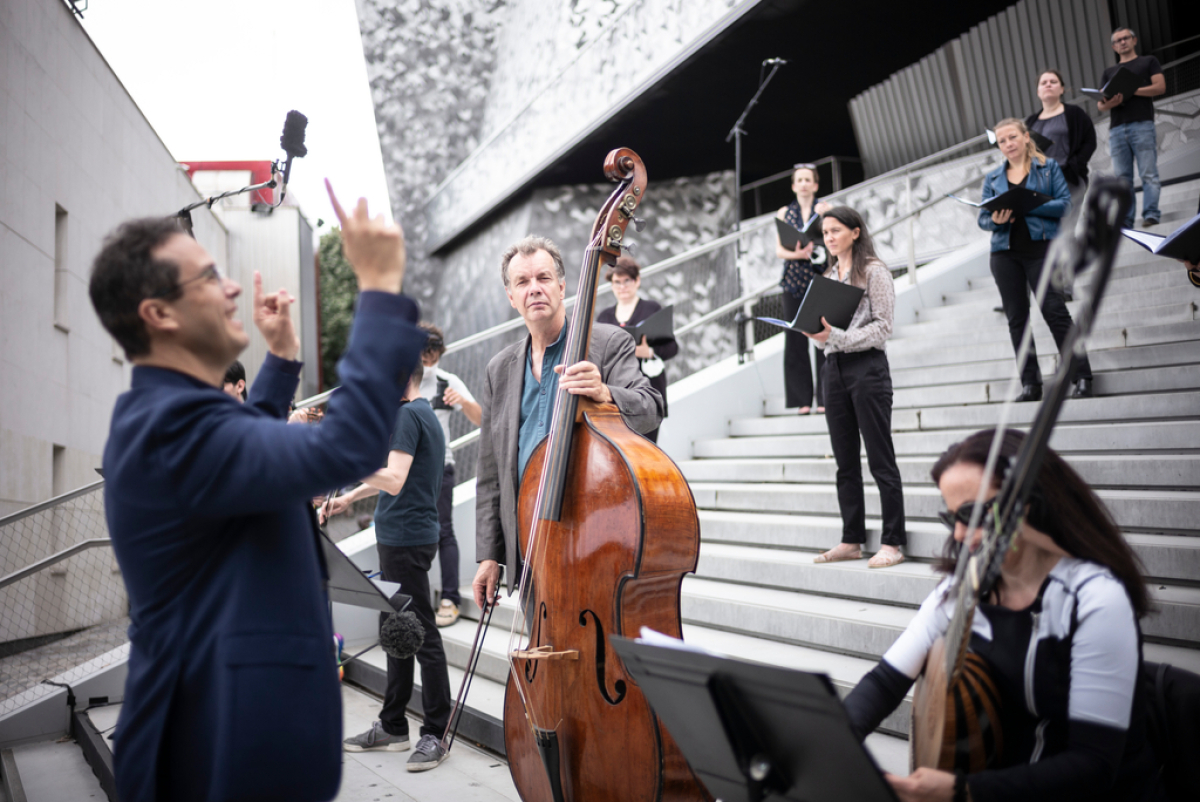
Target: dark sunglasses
962,515
212,272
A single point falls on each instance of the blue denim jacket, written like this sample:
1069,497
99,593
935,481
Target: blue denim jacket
1042,221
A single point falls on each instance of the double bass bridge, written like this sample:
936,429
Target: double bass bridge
544,653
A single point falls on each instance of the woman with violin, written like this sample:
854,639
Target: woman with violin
1020,244
630,310
858,391
799,266
1058,634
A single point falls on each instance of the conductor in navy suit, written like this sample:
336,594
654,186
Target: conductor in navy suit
232,690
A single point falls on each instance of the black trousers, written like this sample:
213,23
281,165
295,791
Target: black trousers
858,398
1016,277
798,384
409,565
447,543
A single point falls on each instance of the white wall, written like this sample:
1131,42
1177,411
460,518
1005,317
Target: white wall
70,138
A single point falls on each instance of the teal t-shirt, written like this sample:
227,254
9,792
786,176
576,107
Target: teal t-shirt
410,518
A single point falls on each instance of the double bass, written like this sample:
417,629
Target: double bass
608,527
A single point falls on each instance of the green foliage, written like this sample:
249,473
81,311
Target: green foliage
339,288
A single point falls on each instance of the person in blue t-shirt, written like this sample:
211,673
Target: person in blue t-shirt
406,535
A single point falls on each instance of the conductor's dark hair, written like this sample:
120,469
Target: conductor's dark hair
124,274
435,346
624,266
864,246
236,373
1065,508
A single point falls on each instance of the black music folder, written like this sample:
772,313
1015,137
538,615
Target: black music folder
755,732
825,298
1124,82
1184,244
793,238
1043,142
659,328
1022,201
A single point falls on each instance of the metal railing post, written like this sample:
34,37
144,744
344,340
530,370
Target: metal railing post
912,245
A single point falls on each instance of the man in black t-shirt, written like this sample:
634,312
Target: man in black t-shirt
1131,132
406,536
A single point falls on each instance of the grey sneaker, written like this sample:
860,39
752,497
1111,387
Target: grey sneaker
428,754
376,739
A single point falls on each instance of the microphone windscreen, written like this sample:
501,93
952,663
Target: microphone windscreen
292,140
401,635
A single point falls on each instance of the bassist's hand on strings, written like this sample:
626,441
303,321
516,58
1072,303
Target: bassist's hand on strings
583,378
923,785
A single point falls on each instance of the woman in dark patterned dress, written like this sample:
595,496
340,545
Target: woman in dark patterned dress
799,266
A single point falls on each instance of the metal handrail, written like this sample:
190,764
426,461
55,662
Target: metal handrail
57,557
48,503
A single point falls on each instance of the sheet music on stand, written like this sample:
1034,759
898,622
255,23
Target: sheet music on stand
753,732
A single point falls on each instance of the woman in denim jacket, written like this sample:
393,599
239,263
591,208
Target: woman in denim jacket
1019,245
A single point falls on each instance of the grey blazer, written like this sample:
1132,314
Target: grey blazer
496,485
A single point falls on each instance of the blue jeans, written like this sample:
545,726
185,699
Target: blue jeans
1137,140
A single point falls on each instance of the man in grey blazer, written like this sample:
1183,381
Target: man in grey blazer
518,399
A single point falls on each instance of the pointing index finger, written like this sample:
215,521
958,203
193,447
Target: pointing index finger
258,290
337,207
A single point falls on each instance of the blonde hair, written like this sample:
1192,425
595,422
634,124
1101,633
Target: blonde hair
1032,151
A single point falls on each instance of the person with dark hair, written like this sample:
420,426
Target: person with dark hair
858,391
626,279
1019,247
406,537
1131,133
1059,636
799,266
446,393
232,689
1069,128
523,381
235,381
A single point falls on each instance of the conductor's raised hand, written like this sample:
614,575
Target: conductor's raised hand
1002,216
373,246
274,320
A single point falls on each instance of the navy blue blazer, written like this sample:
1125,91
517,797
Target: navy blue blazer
232,690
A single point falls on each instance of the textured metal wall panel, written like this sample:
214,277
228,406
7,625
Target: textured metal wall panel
985,75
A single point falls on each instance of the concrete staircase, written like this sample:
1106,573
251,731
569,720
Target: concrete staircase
767,500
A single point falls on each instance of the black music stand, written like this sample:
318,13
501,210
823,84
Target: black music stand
755,732
349,585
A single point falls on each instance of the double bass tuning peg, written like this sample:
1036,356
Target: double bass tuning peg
639,224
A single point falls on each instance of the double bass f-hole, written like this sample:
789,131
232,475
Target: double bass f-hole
602,661
531,666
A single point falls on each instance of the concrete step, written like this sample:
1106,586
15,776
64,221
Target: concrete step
56,771
1129,295
1168,437
1000,369
1177,615
1120,409
1133,510
983,291
1174,471
981,322
1174,558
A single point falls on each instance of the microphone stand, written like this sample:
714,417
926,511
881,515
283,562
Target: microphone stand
745,329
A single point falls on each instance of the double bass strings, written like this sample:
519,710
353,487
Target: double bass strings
537,543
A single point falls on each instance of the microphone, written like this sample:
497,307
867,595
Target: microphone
401,635
292,141
775,61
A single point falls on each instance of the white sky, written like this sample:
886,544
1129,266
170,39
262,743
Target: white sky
216,79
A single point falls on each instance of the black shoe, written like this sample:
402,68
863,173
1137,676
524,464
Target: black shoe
1083,389
1030,392
1149,222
